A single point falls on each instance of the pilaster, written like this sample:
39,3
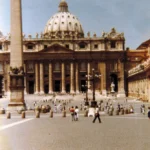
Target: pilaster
72,77
102,67
36,78
63,77
77,78
41,79
121,90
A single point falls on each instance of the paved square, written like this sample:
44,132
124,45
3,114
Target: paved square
114,133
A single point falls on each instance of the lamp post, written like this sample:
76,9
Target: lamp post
86,98
93,78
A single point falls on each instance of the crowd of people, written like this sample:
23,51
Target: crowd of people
107,107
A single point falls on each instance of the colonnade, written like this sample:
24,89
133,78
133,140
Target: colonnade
140,89
75,77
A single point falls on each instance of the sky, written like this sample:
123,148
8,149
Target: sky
129,16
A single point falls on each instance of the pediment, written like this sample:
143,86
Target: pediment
56,48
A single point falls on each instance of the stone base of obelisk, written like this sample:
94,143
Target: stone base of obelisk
16,106
16,93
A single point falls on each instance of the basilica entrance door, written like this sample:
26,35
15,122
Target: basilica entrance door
57,86
83,83
31,87
46,89
67,87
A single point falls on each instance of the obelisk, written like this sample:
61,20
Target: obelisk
16,58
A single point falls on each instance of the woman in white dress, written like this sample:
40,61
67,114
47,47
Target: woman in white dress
76,113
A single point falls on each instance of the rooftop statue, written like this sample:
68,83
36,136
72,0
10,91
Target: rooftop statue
88,34
37,35
94,35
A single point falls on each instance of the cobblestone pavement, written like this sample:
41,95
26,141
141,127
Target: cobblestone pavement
121,132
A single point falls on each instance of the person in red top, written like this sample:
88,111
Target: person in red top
72,110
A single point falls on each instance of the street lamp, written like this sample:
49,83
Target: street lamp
86,90
93,78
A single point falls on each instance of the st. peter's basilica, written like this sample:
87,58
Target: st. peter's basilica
64,59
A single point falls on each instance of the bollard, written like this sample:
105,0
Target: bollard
117,112
8,115
37,114
23,115
126,111
122,111
37,108
64,113
110,113
51,114
86,113
2,111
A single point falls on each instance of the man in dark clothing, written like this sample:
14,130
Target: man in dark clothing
149,112
97,115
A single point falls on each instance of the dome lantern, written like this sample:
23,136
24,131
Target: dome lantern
63,6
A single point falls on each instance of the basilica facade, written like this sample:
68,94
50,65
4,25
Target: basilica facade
63,59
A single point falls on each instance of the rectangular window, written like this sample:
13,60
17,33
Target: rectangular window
45,46
30,47
67,46
82,46
95,46
113,44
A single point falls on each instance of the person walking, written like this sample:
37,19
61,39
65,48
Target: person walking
149,112
76,113
143,109
97,115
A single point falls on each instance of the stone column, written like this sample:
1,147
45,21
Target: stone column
88,73
148,89
102,67
72,78
8,81
16,58
50,78
36,78
121,90
25,81
63,77
77,78
41,79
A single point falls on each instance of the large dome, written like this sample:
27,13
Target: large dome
63,24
